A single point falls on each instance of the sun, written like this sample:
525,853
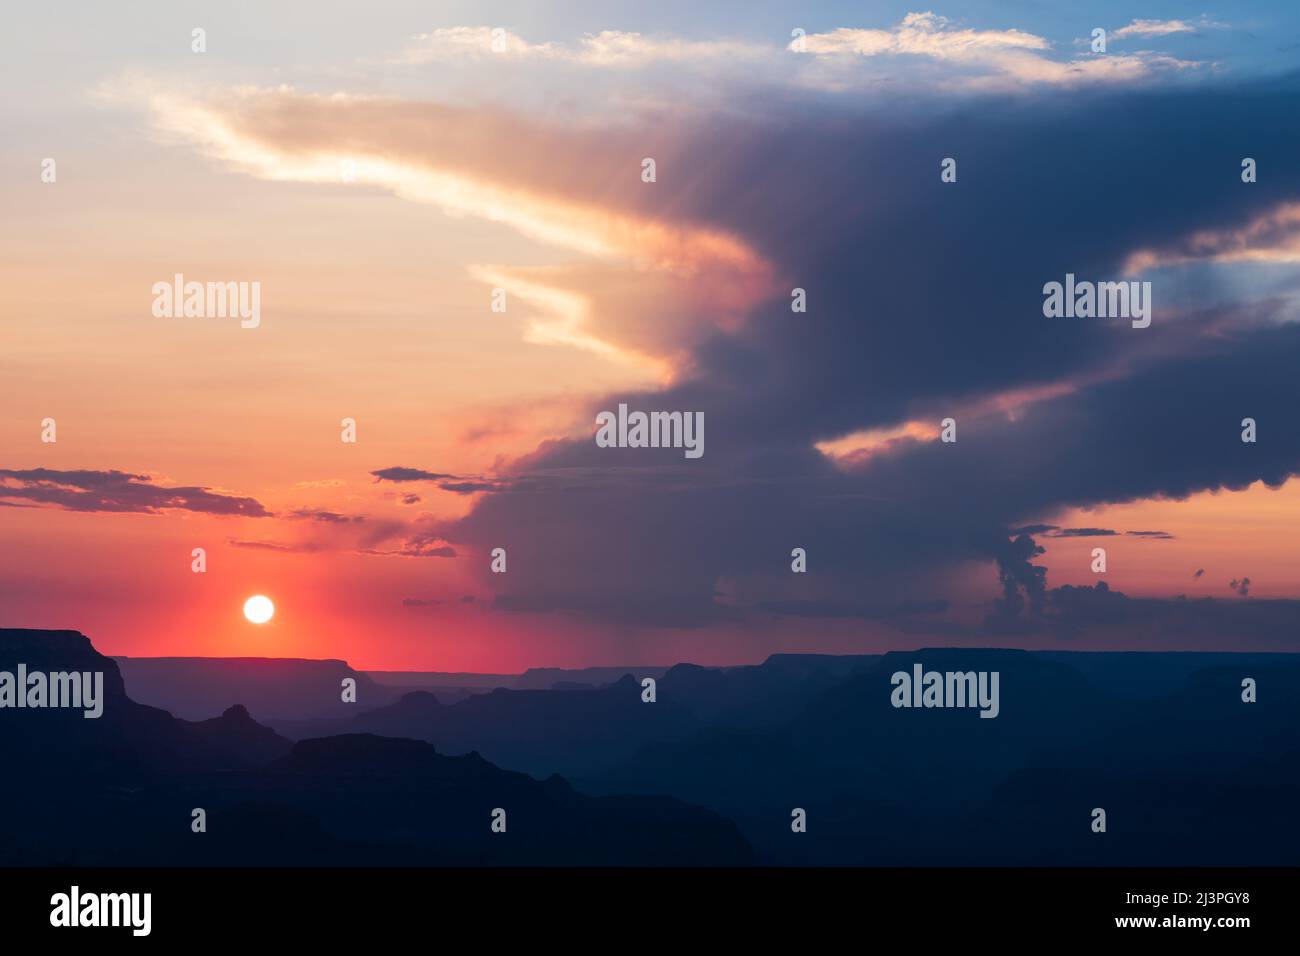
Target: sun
259,609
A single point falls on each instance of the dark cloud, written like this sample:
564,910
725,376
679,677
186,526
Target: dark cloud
1033,529
330,532
328,517
118,492
1023,582
924,302
399,473
1179,621
1101,614
1051,531
417,545
468,487
457,484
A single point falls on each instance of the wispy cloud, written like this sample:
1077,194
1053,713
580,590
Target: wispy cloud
986,58
317,514
459,484
119,492
922,34
1271,237
287,547
330,532
608,48
417,546
488,163
1013,56
401,473
1162,28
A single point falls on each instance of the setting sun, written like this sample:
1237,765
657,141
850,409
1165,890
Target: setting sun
259,609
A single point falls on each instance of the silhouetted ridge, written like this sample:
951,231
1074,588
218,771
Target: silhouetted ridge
196,688
537,731
129,739
369,754
1187,770
120,789
236,731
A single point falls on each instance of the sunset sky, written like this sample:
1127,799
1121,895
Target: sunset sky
379,177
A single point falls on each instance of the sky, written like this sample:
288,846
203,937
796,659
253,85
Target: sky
380,171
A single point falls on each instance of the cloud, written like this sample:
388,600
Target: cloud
921,34
416,545
965,57
1032,529
606,49
469,487
1074,613
902,330
1272,236
1158,28
286,547
400,473
1054,532
924,303
656,275
118,492
1023,583
358,535
317,514
1159,623
529,176
985,59
457,484
321,483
